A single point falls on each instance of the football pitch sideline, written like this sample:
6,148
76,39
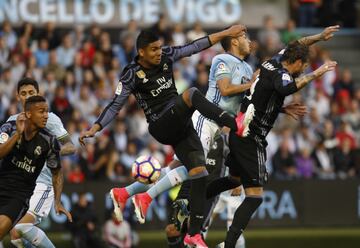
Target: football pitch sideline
259,238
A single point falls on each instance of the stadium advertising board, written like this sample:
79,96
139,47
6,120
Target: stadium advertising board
117,13
286,203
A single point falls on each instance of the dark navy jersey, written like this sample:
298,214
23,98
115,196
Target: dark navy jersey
267,94
153,88
21,167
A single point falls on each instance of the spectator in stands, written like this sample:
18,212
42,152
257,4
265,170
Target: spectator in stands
305,164
84,225
283,163
61,106
105,49
202,81
42,54
66,52
127,158
289,34
86,102
323,158
196,32
76,175
131,29
51,34
54,67
126,51
178,35
162,29
307,12
117,234
344,159
17,67
8,34
4,54
120,136
269,34
344,83
87,53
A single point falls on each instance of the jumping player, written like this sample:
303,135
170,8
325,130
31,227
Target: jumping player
150,78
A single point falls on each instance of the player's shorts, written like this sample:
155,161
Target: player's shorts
247,161
206,131
14,208
41,201
175,128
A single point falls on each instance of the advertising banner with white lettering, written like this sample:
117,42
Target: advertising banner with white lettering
286,204
117,13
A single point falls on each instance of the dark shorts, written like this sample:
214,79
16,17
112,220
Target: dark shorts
13,208
247,161
175,128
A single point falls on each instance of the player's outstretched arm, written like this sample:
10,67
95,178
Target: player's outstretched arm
8,144
325,35
58,183
233,31
178,52
301,82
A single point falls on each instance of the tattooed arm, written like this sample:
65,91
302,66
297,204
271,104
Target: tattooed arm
302,81
327,34
58,183
67,146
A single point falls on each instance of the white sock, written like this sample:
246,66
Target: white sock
35,235
17,243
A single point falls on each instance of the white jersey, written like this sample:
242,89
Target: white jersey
227,65
55,127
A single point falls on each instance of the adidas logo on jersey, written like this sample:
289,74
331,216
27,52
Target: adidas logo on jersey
267,65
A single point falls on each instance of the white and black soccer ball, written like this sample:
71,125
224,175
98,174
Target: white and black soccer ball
146,169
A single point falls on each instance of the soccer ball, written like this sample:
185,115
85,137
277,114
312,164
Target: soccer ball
146,169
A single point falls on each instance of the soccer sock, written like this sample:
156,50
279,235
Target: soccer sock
35,235
211,111
241,219
137,187
172,178
175,242
197,204
220,185
17,243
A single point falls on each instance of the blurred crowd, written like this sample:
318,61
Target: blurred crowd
78,71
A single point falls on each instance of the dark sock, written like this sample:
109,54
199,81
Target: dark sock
220,185
175,242
197,204
211,111
241,219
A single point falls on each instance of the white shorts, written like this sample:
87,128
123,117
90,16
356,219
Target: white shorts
206,130
41,201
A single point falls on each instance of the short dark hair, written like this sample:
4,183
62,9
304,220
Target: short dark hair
28,81
146,37
226,43
32,100
294,51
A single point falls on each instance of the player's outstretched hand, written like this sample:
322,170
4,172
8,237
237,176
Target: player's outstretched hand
20,123
295,110
327,66
236,30
328,32
60,209
84,135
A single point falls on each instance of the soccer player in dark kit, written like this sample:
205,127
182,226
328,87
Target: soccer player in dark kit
278,78
150,78
24,148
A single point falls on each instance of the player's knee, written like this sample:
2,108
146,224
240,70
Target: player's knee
254,191
198,172
188,95
171,231
14,234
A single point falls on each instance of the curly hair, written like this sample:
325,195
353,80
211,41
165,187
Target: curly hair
294,51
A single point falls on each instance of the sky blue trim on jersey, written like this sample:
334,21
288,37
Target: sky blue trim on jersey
235,57
199,125
42,199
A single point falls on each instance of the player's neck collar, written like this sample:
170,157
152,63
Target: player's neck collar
235,56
